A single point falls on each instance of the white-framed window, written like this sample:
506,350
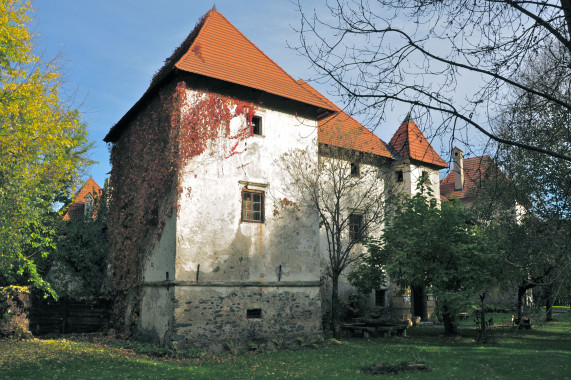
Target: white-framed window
252,206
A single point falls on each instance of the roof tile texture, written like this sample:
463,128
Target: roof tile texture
410,143
221,51
76,209
343,131
476,170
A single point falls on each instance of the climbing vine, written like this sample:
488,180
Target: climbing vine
166,137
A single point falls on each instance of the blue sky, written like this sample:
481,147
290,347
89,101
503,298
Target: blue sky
110,50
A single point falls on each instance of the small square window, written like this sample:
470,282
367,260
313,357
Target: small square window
355,170
253,206
356,227
424,174
380,297
257,125
254,313
400,176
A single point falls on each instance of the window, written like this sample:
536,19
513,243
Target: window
355,172
254,313
88,208
257,125
253,206
355,227
424,174
380,297
400,176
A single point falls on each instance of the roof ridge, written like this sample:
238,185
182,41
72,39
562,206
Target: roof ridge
180,51
339,109
314,91
408,134
213,11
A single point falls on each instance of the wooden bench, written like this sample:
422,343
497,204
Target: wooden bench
374,331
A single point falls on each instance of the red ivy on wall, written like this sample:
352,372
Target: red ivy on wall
162,139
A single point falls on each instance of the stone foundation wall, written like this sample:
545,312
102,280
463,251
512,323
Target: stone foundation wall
213,315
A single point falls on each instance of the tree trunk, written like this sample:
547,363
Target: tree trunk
483,332
419,302
335,306
549,304
450,327
520,301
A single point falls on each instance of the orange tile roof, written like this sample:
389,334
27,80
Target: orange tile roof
410,143
77,207
217,49
476,171
343,131
221,51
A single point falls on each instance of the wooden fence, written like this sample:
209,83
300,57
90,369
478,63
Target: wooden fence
69,316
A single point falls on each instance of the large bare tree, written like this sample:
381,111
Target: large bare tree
454,59
349,191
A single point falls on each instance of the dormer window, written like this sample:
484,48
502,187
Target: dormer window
257,125
88,208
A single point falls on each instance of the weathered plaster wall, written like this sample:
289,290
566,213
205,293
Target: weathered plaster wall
210,232
162,258
372,184
215,247
412,173
155,320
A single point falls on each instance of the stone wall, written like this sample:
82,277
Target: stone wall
213,316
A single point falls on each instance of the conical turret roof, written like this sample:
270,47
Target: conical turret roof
410,143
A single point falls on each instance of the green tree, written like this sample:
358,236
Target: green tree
440,247
78,263
43,146
535,248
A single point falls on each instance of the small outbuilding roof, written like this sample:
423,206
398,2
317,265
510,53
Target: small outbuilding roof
410,143
477,170
77,207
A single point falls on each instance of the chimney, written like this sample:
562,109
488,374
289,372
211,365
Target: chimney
458,158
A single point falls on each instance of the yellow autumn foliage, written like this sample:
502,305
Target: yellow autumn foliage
43,145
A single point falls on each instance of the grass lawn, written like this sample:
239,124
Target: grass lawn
541,353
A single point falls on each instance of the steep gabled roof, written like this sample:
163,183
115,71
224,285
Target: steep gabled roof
343,131
477,170
77,208
221,51
217,49
410,143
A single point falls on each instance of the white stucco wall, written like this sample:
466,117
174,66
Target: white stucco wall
210,232
372,182
412,173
